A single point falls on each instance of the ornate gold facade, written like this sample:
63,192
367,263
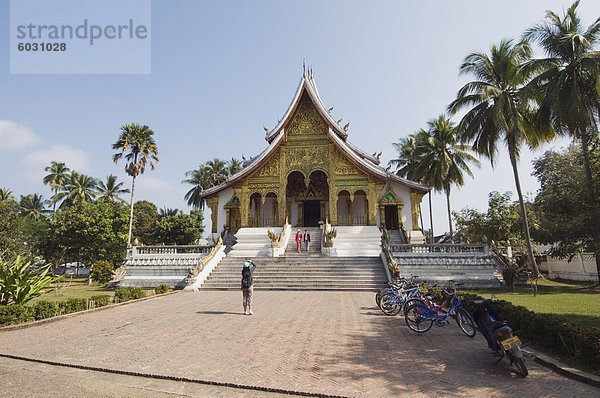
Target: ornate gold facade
307,174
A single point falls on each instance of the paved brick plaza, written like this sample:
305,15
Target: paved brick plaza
320,342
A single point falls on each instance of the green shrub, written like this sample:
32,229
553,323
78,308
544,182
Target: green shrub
132,293
72,305
137,292
122,295
45,309
101,271
17,313
160,289
100,300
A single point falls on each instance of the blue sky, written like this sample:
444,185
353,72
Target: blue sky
222,70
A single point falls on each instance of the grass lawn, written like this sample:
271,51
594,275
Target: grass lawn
67,288
578,302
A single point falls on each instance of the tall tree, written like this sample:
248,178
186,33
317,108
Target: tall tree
6,195
568,87
138,146
217,171
33,206
499,112
442,159
167,212
200,180
407,162
562,202
145,220
58,174
111,190
79,188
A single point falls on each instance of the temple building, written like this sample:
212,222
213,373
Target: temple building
310,173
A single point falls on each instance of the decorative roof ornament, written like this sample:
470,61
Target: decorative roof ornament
339,121
304,67
346,126
266,130
329,110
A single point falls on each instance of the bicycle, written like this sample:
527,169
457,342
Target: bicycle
421,315
394,300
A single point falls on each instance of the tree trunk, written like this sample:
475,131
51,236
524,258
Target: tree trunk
530,255
431,219
592,198
447,189
131,212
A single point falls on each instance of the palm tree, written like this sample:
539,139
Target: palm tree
57,176
217,171
441,159
567,85
33,206
111,190
166,212
137,142
199,178
7,195
498,111
233,166
407,162
79,188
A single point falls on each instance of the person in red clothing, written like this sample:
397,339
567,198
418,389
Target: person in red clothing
299,241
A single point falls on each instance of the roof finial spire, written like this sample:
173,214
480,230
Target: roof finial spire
304,67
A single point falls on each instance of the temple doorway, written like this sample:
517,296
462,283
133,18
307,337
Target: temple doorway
311,209
391,217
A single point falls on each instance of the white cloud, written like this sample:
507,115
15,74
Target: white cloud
74,158
16,136
153,184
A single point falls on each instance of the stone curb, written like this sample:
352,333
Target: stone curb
571,373
72,314
173,378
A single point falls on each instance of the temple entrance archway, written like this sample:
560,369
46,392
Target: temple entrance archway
391,217
311,210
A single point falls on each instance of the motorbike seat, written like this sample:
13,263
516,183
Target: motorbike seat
499,324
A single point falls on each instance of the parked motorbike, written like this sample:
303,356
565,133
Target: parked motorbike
498,334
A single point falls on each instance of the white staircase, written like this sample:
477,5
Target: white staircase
302,272
361,241
315,242
253,242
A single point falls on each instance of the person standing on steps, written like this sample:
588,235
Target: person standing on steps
248,286
306,240
298,241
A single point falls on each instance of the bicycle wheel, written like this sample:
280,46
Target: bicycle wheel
413,315
465,322
410,302
389,304
380,293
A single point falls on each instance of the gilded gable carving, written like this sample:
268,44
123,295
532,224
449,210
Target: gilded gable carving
307,158
306,120
343,165
271,168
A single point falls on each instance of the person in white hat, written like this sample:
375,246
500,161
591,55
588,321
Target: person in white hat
247,286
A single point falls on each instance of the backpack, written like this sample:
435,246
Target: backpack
246,279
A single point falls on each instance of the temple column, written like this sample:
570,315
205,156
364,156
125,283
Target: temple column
213,205
372,203
400,223
244,206
332,206
322,211
382,216
415,201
